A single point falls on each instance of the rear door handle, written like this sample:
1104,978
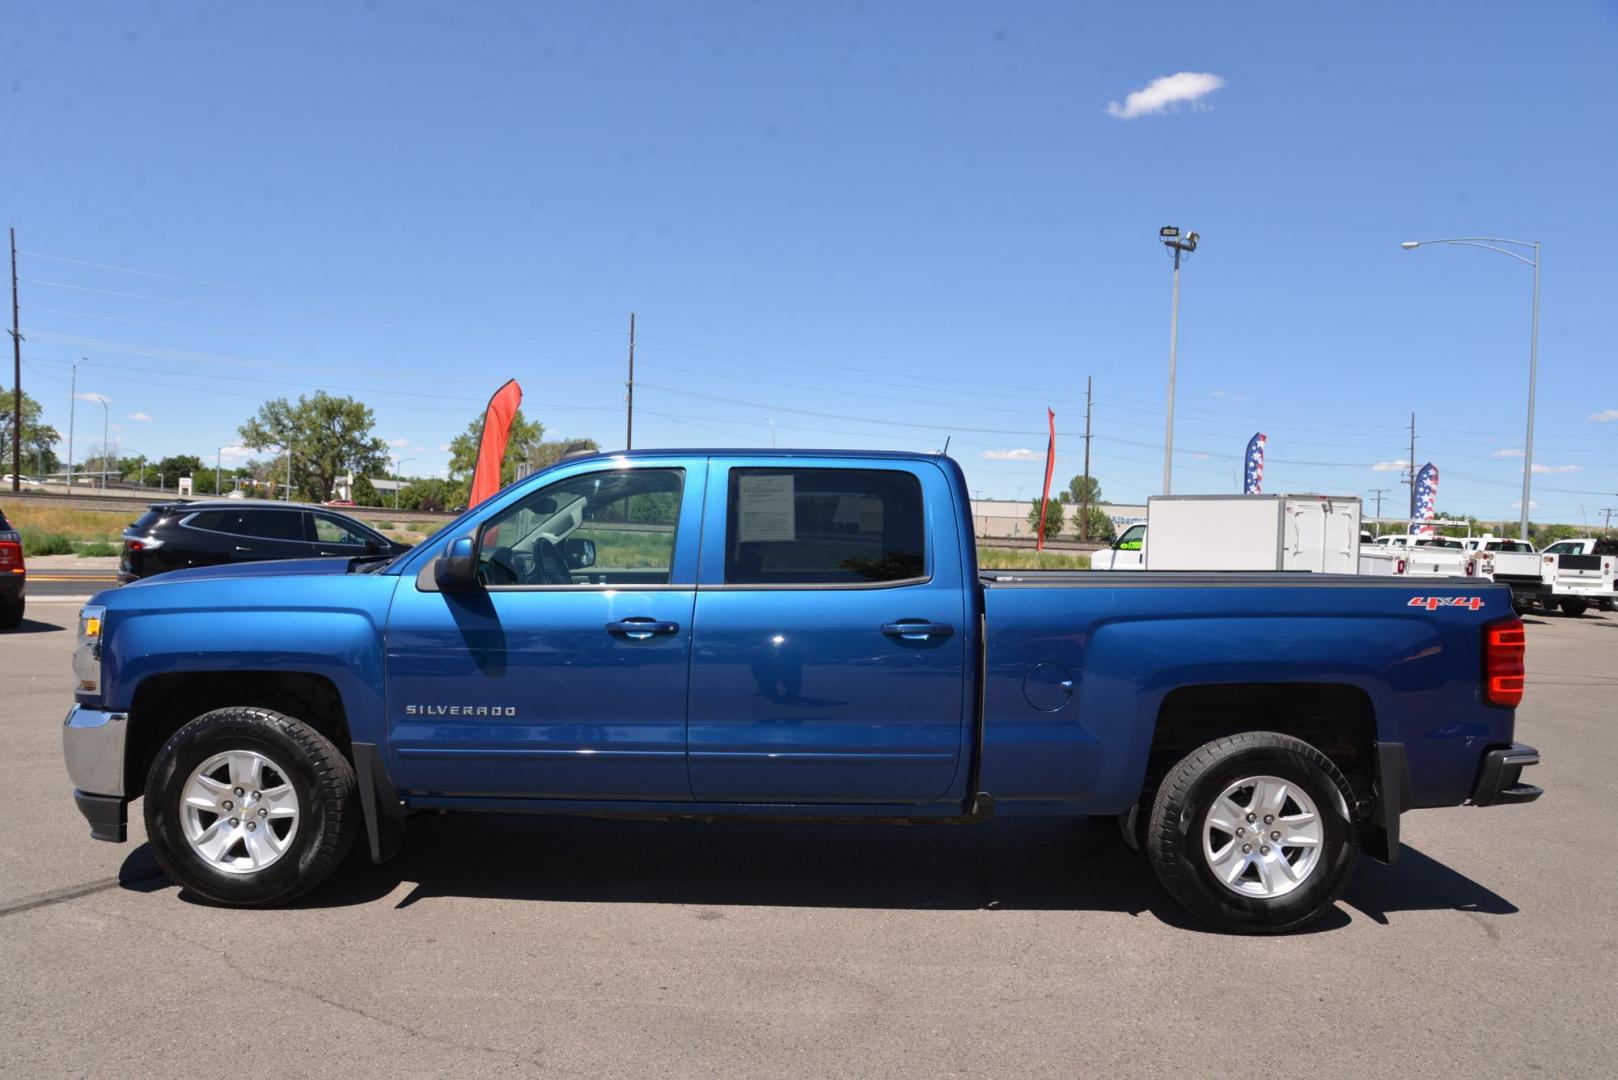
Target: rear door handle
917,630
639,629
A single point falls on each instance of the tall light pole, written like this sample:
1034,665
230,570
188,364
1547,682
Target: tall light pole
1492,243
104,417
72,413
398,478
1170,235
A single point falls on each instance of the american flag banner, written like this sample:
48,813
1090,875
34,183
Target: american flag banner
1254,483
1426,500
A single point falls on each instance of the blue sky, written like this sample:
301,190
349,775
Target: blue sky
868,224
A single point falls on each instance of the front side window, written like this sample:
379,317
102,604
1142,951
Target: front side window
599,528
1134,538
823,527
329,530
271,524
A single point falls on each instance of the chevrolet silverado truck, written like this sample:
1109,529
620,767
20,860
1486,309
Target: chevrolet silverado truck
792,635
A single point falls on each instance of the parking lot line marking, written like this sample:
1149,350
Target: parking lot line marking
68,577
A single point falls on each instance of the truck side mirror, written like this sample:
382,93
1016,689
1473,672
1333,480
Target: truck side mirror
456,569
579,552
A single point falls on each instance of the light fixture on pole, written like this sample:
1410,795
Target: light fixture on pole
1492,243
1179,245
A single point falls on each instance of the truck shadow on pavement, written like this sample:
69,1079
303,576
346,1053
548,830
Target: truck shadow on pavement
34,626
1008,865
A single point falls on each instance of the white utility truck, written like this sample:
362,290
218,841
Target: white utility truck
1579,573
1516,564
1243,532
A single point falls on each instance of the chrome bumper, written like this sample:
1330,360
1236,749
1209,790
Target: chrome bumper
93,744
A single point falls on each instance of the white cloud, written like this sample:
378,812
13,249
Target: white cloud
1022,453
1391,466
1202,457
91,395
1509,453
444,449
1233,395
1604,416
1532,505
235,452
399,442
1166,94
140,416
1538,468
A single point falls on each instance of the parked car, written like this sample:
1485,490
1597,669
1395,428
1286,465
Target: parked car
1517,565
25,482
797,635
13,576
180,535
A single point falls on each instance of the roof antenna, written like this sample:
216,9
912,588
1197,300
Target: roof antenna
945,452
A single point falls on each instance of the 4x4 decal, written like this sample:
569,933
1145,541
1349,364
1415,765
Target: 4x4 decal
1432,603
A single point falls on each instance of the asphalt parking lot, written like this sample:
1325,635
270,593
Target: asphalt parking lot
523,946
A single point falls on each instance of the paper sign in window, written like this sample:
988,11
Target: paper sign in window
766,511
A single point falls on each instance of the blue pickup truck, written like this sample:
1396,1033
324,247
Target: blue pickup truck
794,636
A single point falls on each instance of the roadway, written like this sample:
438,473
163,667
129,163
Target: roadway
510,946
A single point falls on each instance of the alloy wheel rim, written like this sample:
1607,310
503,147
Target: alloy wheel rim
239,811
1262,837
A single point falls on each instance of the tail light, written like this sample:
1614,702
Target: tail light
1471,567
10,557
1504,646
1399,567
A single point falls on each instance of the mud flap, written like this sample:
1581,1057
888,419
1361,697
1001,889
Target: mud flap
384,811
1392,796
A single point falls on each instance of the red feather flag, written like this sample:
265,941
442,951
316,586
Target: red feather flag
492,443
1050,466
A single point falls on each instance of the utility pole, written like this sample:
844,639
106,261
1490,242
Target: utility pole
1379,492
1170,236
1410,470
16,380
629,431
1084,494
1606,529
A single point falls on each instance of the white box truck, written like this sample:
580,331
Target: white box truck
1253,532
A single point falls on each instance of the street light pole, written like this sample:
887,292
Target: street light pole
398,478
104,416
1171,238
1492,243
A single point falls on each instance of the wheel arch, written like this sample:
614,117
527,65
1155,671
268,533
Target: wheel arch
164,703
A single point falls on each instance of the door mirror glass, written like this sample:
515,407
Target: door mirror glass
579,552
456,569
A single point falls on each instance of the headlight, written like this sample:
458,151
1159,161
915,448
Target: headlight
87,654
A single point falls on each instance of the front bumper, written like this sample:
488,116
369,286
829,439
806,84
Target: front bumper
93,746
1500,779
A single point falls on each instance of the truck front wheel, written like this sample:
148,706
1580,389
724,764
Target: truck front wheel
249,807
1252,833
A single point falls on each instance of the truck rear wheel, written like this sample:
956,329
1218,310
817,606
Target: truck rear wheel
1574,605
11,615
1253,834
249,807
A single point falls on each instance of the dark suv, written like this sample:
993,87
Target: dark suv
172,536
13,575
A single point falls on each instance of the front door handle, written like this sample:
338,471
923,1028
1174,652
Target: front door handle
639,629
917,630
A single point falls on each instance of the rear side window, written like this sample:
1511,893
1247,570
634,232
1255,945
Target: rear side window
823,527
272,524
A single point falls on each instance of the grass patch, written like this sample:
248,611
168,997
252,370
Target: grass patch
383,525
98,548
39,543
107,525
990,558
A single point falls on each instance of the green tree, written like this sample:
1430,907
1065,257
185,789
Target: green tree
38,438
330,437
432,493
525,436
1075,490
548,453
1544,535
1055,515
170,469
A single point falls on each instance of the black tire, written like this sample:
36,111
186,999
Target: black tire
1174,841
322,779
11,615
1575,606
